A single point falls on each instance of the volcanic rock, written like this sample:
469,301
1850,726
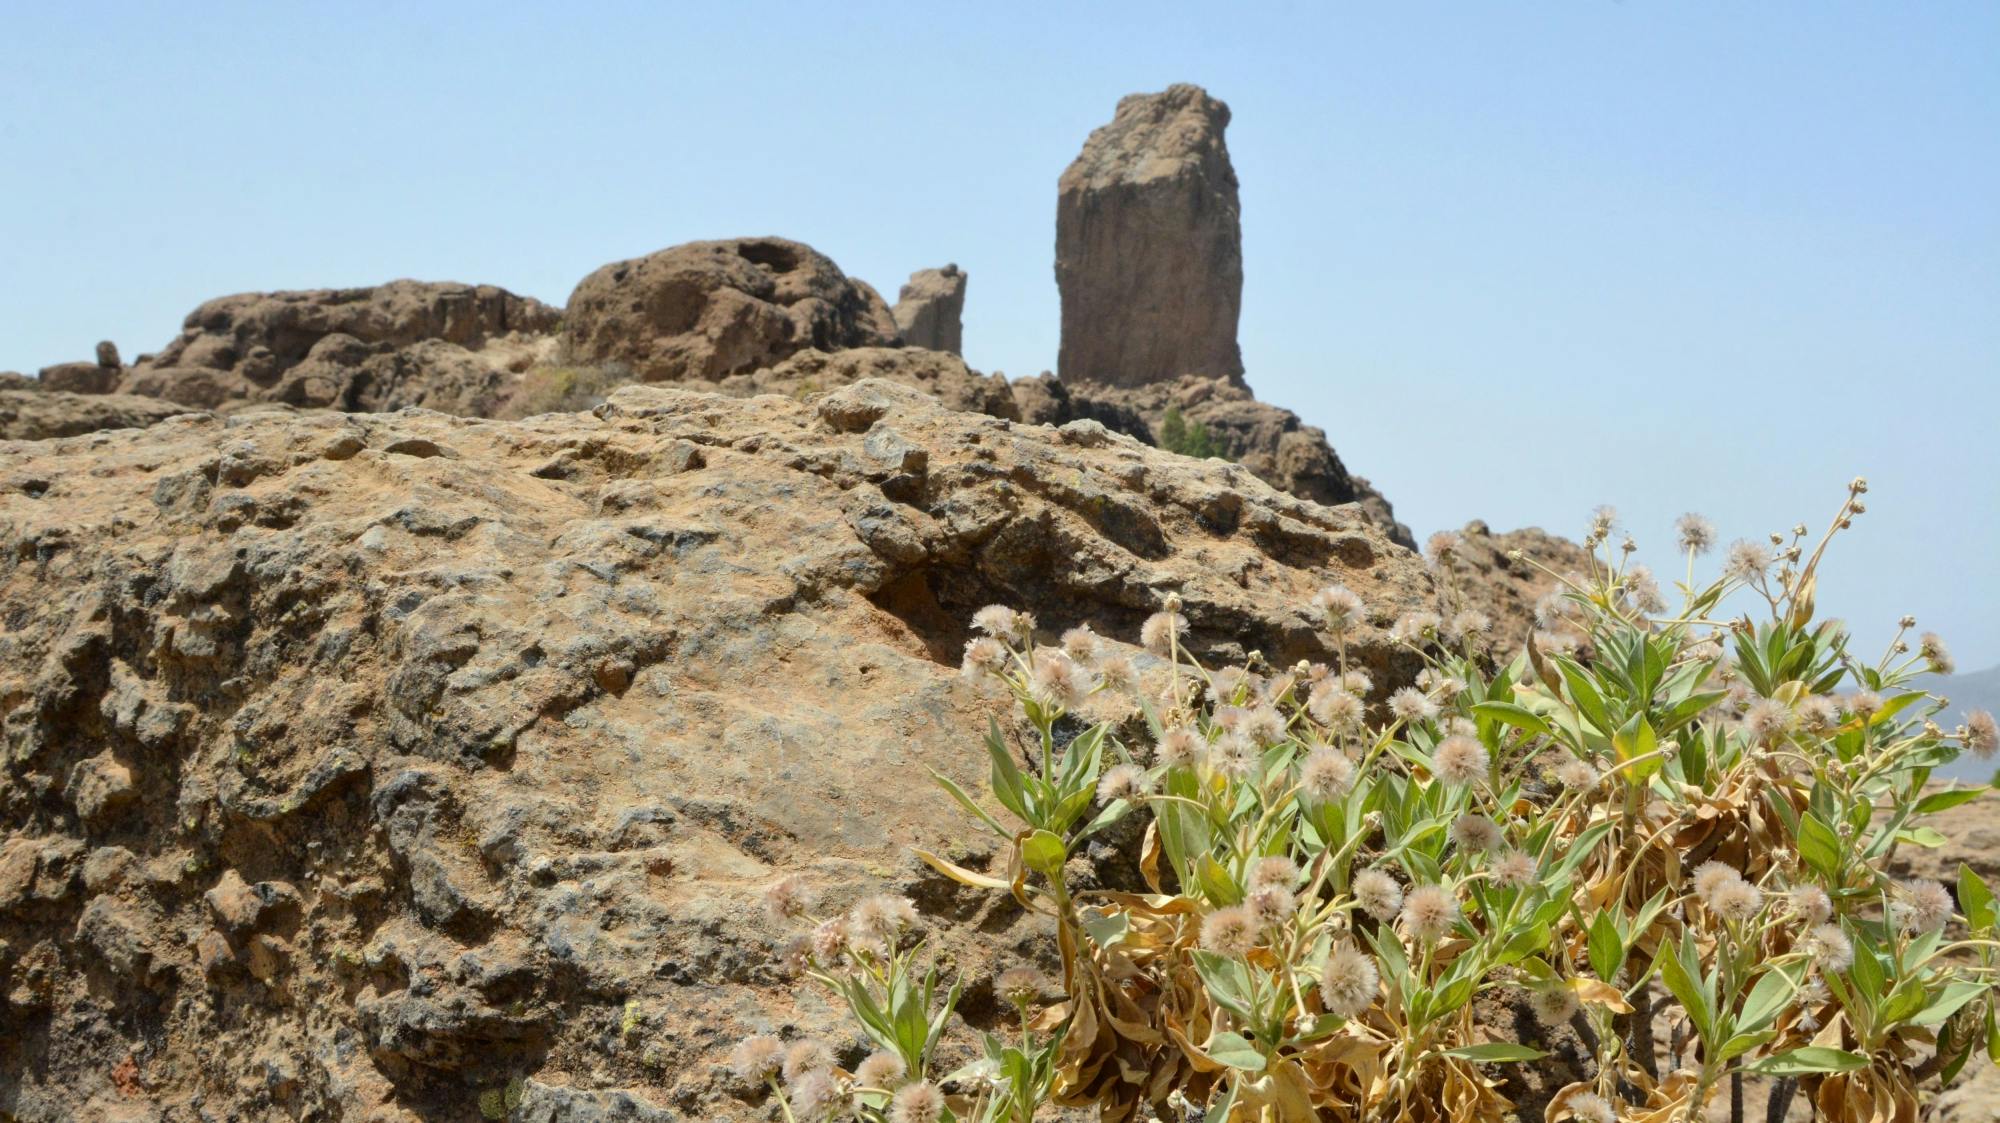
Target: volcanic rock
931,308
706,310
1482,574
33,415
247,347
1149,247
457,752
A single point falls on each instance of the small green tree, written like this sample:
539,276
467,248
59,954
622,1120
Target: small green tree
1178,434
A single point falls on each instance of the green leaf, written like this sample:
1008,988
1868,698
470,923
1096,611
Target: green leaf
1496,1052
1803,1061
1637,742
1818,845
1607,947
1939,801
1006,777
1044,853
1743,1043
1107,929
1921,836
1507,713
966,802
1947,1002
1227,981
1768,995
1976,899
1680,980
1220,1112
1587,700
1234,1050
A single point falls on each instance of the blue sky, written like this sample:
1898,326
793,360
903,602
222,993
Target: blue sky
1516,260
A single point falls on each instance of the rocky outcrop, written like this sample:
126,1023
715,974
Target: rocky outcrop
410,762
1482,574
931,308
33,415
942,376
100,377
1149,249
703,311
364,348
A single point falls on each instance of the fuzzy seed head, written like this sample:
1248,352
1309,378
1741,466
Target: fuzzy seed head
1747,561
1123,781
1695,533
1276,870
1339,608
1179,747
1830,948
1019,985
882,917
1818,714
998,621
1515,870
1442,545
1378,894
919,1103
756,1059
1430,912
1931,646
1118,673
1230,931
1350,980
1579,775
1272,906
1737,900
1162,631
1081,644
1864,704
1769,720
880,1070
1475,833
814,1095
1553,1005
1058,680
1416,627
1982,734
810,1055
1589,1107
1333,706
1460,761
1326,775
1235,757
1710,877
829,939
1924,907
983,656
788,898
1412,705
1811,903
1264,725
1469,624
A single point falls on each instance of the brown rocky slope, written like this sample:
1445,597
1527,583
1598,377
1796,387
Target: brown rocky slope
358,767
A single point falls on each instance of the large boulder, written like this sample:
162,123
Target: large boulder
247,347
1505,575
1272,442
703,311
450,756
930,310
34,415
1149,246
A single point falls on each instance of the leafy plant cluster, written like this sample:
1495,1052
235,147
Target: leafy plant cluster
1657,835
1190,438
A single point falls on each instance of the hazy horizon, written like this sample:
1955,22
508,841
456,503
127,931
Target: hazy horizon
1515,264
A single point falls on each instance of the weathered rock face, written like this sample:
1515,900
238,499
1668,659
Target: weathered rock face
930,310
1483,575
355,766
100,377
1149,247
250,347
706,310
33,415
941,375
1282,450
